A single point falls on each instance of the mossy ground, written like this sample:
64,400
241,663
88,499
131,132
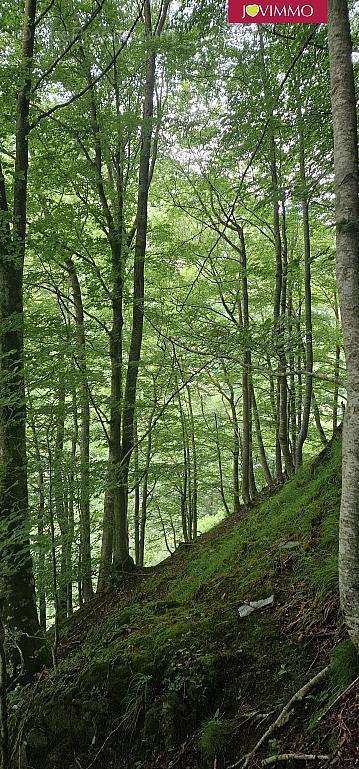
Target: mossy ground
163,672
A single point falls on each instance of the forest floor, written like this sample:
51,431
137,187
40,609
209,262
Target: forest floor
164,673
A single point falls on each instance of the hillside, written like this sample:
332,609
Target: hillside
164,672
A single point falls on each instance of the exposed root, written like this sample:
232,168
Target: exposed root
293,757
283,717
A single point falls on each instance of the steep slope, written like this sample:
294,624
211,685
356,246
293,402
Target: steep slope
164,672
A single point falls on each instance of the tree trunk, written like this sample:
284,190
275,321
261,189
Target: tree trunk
303,432
136,512
18,591
114,233
291,359
184,487
347,260
260,443
299,368
106,543
58,494
85,529
318,423
71,503
220,468
236,456
119,503
41,592
143,516
274,399
246,378
337,364
253,491
280,282
122,559
55,591
194,516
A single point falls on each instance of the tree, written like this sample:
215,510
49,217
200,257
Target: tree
347,261
18,590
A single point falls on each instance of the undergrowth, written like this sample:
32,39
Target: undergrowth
173,658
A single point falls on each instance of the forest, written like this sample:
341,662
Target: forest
179,400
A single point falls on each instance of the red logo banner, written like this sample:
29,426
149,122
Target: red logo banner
280,12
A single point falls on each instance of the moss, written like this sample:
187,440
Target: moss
214,738
344,664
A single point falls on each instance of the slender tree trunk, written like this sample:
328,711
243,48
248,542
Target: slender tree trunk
252,478
114,233
260,443
136,514
58,494
55,591
246,378
41,592
274,399
318,423
79,580
173,529
189,496
299,368
17,590
220,468
119,512
291,359
71,503
236,456
303,432
347,259
106,543
337,363
184,486
85,532
143,516
4,730
163,527
194,468
279,300
122,559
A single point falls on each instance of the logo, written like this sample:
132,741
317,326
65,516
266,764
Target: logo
281,12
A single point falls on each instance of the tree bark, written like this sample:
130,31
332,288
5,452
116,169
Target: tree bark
122,559
136,512
220,468
85,529
280,283
115,236
246,378
336,364
194,517
18,591
143,515
41,591
71,480
53,556
57,491
236,455
291,359
318,423
262,453
303,432
184,486
347,262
